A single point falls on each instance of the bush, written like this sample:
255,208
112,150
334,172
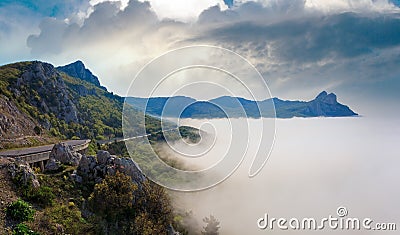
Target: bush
20,211
23,229
113,197
43,195
69,217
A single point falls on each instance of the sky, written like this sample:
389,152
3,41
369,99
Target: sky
301,47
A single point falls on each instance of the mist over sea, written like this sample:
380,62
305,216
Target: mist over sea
316,165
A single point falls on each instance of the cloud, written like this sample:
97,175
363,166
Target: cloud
300,47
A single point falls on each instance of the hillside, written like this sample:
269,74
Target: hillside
40,102
324,105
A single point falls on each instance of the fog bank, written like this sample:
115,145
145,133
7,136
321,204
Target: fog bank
317,165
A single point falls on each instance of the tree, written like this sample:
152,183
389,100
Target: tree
113,198
37,130
212,226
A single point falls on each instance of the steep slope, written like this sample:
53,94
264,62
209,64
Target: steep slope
37,99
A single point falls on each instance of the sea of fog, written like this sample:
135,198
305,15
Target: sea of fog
316,166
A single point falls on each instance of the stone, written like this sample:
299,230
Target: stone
65,154
52,165
96,168
102,157
23,173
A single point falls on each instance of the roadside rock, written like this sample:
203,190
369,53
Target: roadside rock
52,165
22,173
96,168
62,153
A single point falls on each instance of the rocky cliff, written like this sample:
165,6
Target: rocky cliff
78,70
38,100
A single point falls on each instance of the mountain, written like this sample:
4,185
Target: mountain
324,105
42,102
78,70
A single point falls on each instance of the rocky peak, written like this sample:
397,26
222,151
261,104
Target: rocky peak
326,98
321,95
326,105
78,70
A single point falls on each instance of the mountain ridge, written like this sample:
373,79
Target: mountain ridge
323,105
38,100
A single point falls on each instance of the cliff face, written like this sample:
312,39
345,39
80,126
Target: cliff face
14,123
78,70
37,99
43,87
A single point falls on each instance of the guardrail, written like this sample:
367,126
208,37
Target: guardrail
45,155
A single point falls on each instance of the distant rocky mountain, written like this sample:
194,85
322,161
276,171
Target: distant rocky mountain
78,70
324,105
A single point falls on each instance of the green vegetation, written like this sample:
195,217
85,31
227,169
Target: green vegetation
121,206
23,229
114,205
52,97
20,211
42,196
112,198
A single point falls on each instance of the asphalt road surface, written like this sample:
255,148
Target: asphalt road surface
40,149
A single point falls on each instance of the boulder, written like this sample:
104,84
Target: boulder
96,168
102,157
52,165
65,154
22,173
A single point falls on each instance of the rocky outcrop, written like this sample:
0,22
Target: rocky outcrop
22,173
47,91
95,168
13,122
327,105
62,153
77,69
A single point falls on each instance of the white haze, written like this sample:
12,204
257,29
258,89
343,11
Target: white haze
317,165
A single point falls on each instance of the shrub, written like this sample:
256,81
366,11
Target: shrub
20,211
43,195
23,229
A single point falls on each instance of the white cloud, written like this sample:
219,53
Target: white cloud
182,10
294,45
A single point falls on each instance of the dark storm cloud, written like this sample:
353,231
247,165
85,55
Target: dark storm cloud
314,38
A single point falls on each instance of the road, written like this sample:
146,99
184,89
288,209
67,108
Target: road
39,149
